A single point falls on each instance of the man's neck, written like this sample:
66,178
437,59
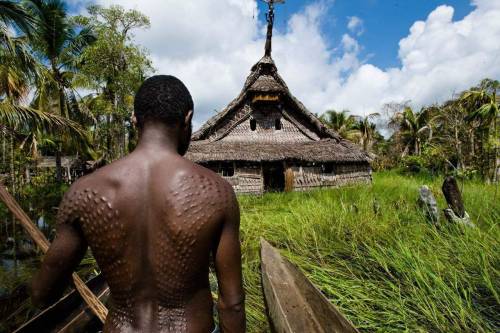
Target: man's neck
159,137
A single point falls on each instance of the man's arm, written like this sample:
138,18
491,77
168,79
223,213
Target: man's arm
62,258
231,303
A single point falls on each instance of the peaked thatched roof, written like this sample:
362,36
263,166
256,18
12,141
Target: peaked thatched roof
264,79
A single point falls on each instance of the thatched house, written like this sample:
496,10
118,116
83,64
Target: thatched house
266,140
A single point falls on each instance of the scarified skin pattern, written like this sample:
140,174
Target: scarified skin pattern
196,201
192,209
103,230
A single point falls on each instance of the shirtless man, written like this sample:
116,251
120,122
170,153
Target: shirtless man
153,220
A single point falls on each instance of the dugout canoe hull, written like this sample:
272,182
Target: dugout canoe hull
294,304
70,313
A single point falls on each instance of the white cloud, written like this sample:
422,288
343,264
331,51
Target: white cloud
211,46
350,44
356,25
439,57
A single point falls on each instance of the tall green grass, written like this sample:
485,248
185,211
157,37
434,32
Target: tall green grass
372,253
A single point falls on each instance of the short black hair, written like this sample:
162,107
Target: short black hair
162,98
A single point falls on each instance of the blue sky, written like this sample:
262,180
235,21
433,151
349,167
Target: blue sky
355,55
385,22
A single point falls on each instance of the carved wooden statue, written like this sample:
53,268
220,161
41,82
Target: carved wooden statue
456,210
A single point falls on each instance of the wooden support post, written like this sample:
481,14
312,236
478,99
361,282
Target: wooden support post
92,301
289,179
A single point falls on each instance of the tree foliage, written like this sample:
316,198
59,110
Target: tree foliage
459,136
113,67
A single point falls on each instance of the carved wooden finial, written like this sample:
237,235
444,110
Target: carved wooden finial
270,23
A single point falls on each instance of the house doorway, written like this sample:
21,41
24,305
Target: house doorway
274,177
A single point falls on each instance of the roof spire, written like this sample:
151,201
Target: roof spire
270,23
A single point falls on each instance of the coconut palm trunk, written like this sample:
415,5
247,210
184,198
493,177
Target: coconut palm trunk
13,190
59,141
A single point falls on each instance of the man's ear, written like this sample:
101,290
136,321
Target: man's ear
188,118
133,119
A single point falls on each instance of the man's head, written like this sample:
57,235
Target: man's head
165,99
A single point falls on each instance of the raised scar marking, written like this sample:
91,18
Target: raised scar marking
193,209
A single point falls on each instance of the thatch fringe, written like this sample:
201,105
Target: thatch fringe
327,150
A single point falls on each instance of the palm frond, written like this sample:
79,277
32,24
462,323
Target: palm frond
373,115
46,93
13,14
78,113
28,119
75,46
423,129
52,26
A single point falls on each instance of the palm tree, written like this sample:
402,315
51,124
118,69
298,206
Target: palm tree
341,122
17,64
22,123
367,130
483,105
413,128
60,44
18,70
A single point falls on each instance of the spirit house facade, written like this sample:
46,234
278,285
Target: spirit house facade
266,140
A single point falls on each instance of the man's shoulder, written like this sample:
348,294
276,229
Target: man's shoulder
109,175
201,186
98,182
71,203
201,172
88,182
86,194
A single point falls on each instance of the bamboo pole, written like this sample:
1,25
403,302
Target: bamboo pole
92,301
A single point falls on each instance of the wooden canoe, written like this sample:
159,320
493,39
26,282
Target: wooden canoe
70,313
294,304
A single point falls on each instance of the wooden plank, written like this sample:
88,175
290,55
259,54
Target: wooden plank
294,304
69,314
93,302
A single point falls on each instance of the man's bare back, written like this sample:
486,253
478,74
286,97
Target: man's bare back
152,221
